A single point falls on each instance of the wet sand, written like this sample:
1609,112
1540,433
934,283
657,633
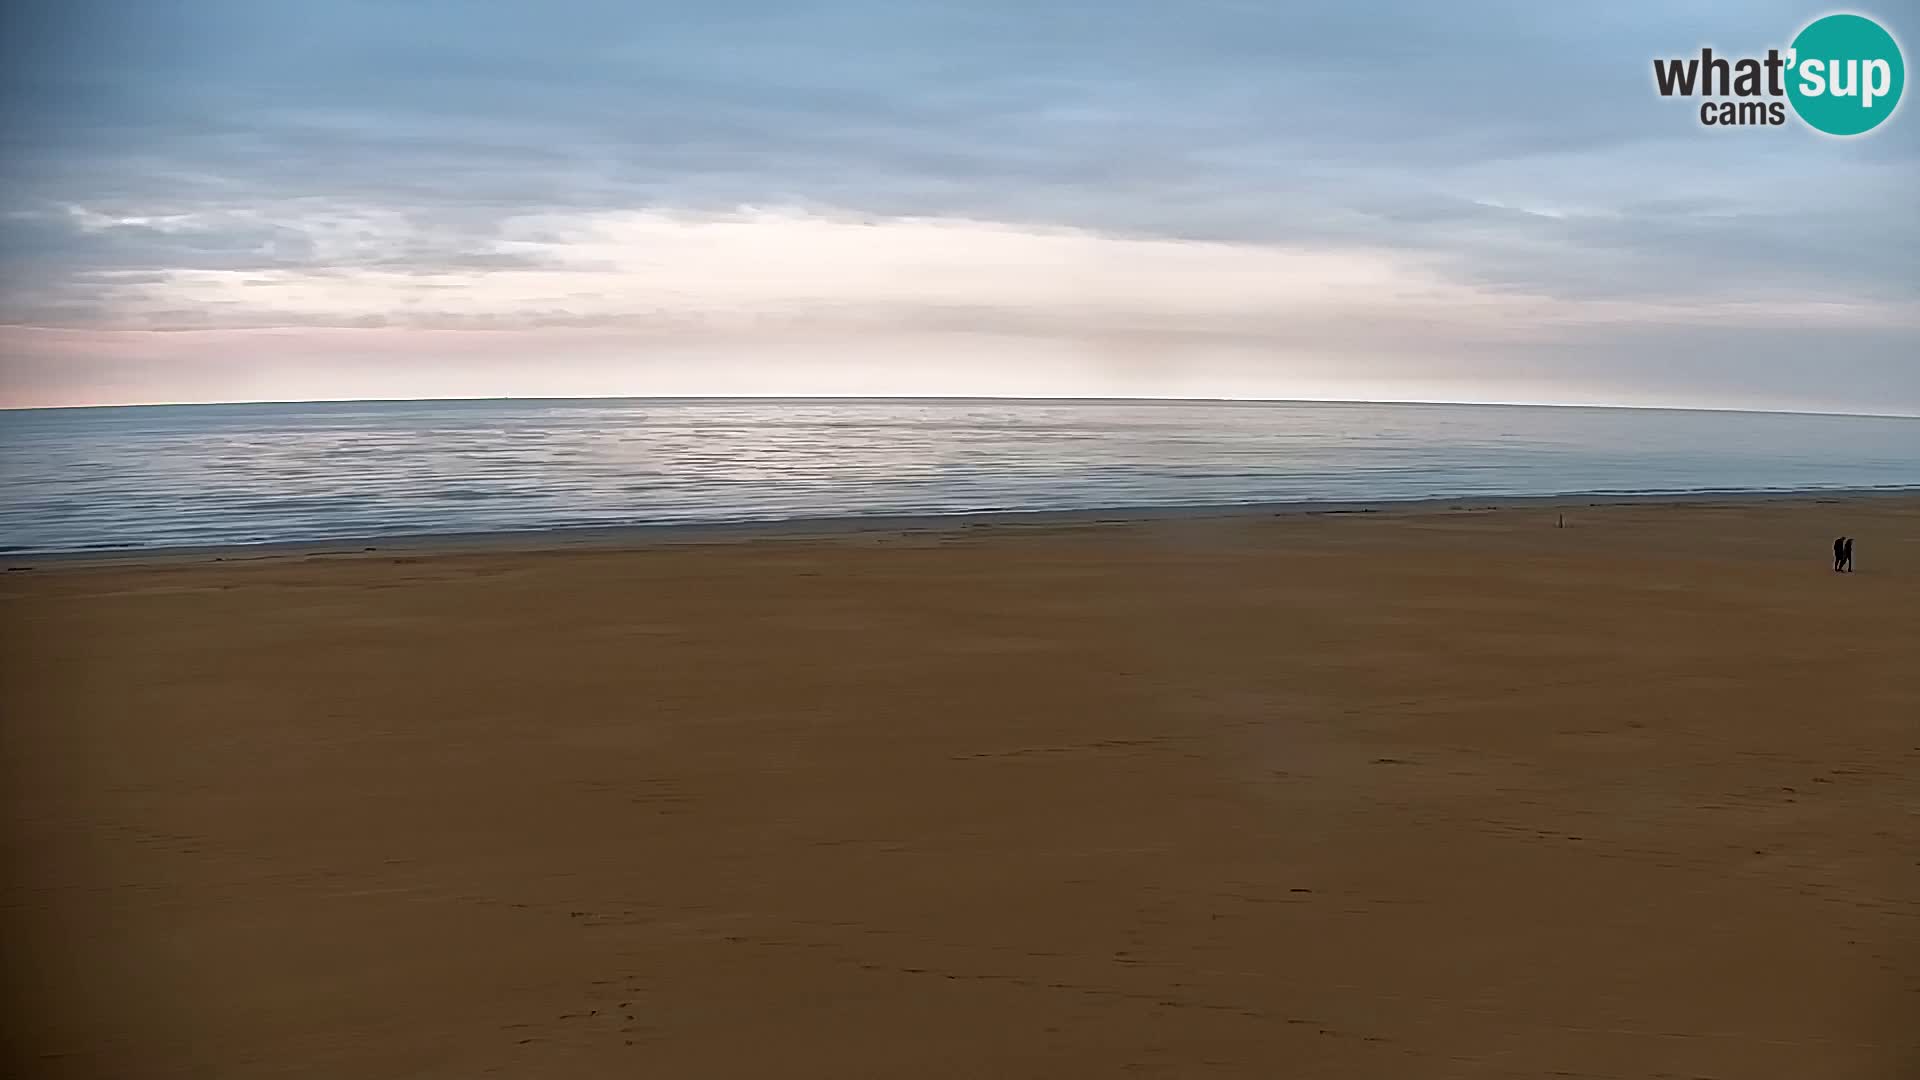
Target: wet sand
1421,793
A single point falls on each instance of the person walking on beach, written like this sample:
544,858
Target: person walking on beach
1846,553
1839,552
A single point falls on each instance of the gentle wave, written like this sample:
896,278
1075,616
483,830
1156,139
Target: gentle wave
92,479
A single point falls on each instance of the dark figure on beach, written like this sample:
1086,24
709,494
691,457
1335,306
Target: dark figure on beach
1839,552
1846,554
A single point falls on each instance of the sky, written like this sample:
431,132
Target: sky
215,200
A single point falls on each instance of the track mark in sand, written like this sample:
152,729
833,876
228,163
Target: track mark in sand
1528,832
1073,748
629,916
171,842
1157,998
600,1018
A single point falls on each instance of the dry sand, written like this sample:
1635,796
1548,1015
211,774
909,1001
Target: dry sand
1399,795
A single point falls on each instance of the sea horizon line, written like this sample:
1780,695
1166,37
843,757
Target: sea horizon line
958,398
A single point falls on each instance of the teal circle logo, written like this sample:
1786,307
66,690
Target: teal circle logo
1845,74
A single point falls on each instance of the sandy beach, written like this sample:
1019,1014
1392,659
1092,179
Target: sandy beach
1421,793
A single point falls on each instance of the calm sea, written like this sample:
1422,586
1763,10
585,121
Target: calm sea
86,479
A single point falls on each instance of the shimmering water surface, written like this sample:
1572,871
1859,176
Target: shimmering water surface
84,479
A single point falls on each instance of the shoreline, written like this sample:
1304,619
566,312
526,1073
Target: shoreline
620,537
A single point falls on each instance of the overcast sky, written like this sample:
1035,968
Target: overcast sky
256,199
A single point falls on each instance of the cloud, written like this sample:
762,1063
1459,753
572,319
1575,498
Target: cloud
767,271
1180,174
